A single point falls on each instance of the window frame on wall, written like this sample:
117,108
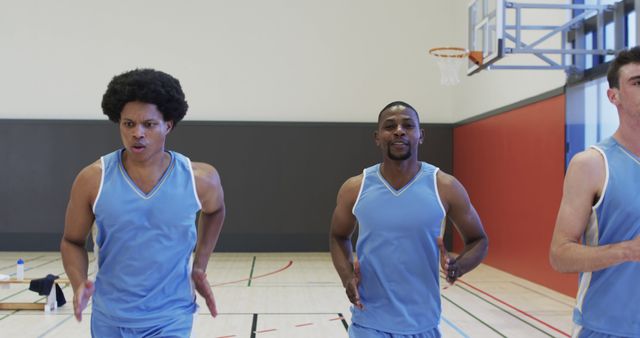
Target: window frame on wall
590,117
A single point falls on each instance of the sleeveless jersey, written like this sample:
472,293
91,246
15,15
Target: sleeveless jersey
398,252
608,299
145,243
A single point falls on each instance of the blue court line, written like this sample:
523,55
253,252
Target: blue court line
37,266
453,326
54,327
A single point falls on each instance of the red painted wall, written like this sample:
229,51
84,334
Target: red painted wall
512,166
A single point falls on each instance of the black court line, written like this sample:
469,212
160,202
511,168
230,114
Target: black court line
505,311
254,325
474,317
253,265
55,326
344,322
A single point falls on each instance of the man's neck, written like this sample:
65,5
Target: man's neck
399,173
158,162
628,134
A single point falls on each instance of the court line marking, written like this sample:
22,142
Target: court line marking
455,327
344,322
473,316
255,331
26,260
37,266
253,265
507,312
55,327
514,308
571,306
254,325
288,265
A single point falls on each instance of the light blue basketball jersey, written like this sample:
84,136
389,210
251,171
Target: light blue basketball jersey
145,243
398,253
608,300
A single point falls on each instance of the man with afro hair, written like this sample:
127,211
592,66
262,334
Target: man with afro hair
143,200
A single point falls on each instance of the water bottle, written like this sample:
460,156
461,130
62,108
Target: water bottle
20,269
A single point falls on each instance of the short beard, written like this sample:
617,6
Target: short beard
402,157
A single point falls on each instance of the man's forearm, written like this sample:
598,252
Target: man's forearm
75,261
209,227
575,257
472,255
342,257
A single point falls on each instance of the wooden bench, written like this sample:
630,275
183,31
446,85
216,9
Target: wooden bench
50,305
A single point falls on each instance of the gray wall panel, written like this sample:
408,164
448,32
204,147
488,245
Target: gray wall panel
280,179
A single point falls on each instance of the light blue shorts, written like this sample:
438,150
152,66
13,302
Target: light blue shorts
357,331
176,327
586,333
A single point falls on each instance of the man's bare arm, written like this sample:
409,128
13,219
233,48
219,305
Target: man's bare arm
582,186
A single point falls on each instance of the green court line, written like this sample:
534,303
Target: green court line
253,265
505,311
26,261
8,314
55,327
571,306
476,318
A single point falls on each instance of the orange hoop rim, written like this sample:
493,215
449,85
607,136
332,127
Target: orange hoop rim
456,52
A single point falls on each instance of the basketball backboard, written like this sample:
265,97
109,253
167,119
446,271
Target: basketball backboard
486,27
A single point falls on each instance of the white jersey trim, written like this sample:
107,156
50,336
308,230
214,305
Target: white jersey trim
100,187
435,187
606,176
193,183
364,177
403,189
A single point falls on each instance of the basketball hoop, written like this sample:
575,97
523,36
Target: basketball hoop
449,59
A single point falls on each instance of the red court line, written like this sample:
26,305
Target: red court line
267,330
288,265
514,308
271,330
304,324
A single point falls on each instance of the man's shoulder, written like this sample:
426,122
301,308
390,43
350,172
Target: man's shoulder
205,174
591,160
92,171
203,169
351,186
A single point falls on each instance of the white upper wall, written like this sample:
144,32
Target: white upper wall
243,60
249,60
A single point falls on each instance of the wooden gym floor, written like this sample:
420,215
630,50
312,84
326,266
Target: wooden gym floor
269,295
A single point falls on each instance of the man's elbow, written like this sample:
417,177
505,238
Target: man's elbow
66,243
555,259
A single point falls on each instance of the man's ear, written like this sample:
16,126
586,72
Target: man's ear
614,95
